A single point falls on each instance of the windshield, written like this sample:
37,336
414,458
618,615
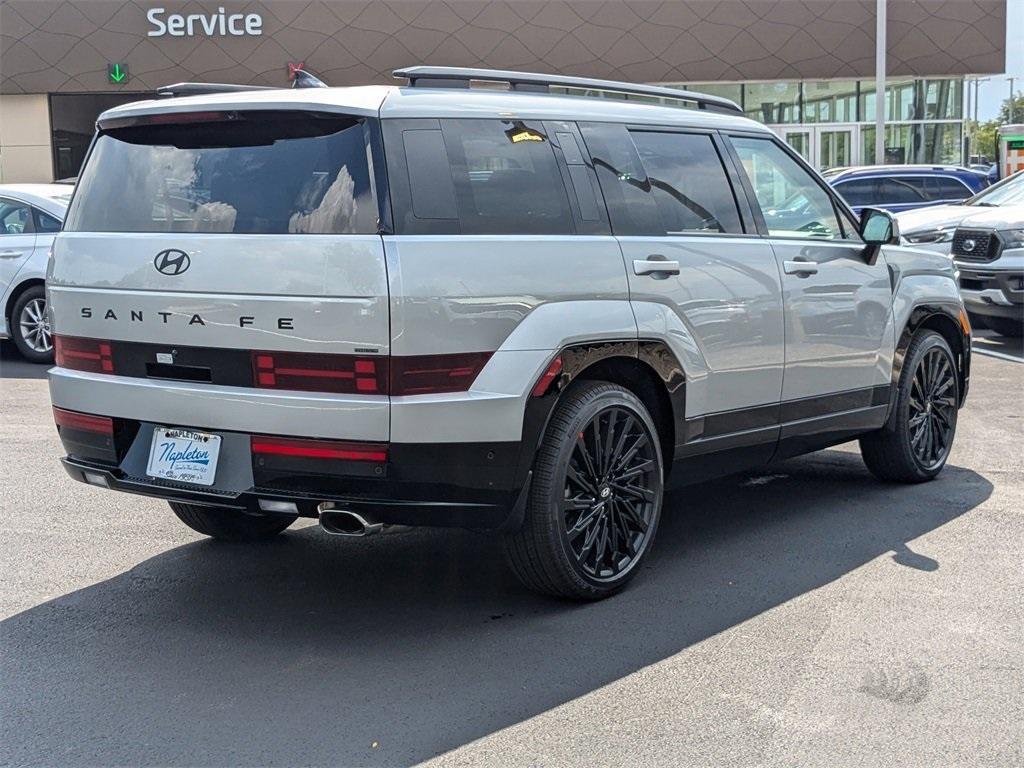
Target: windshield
235,172
1007,192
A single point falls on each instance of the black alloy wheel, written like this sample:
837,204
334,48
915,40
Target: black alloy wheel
916,440
595,496
932,408
610,493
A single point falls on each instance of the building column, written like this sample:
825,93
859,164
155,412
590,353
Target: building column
26,152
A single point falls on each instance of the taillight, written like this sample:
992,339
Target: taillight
80,354
342,374
319,449
355,375
423,374
85,422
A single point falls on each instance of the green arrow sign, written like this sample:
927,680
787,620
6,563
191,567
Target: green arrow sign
117,73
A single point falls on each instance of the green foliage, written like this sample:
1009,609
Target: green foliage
1018,110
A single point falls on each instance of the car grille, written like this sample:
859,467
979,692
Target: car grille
975,245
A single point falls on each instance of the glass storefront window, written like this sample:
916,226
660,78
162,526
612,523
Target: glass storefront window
915,100
830,101
732,91
772,102
914,143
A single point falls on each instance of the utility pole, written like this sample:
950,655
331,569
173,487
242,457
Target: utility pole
1009,106
880,43
968,124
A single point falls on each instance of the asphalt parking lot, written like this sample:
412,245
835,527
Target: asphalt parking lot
802,615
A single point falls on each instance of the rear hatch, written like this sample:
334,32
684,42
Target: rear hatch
230,247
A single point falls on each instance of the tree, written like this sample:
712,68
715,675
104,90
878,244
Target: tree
1018,110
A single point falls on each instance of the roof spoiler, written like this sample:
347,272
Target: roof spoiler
300,79
461,77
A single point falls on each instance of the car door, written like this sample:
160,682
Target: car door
837,297
17,239
699,275
901,193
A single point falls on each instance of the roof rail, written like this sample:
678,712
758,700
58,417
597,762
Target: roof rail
460,77
200,89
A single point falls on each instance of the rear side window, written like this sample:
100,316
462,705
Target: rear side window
689,182
506,178
945,188
45,223
232,172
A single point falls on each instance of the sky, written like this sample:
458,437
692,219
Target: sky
997,89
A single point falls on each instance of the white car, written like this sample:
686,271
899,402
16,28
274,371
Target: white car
933,228
30,216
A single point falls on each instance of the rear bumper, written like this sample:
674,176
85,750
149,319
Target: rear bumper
398,511
470,485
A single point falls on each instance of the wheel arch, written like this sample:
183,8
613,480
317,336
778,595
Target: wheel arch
647,368
16,292
949,321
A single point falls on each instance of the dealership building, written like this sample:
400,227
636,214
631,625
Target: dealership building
804,67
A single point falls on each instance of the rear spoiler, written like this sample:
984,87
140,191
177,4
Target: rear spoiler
300,79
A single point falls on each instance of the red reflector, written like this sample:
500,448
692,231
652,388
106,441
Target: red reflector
81,354
343,374
422,374
319,449
100,425
549,375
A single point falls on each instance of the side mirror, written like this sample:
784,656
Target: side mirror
878,227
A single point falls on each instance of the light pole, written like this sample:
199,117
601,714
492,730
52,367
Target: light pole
880,81
1009,105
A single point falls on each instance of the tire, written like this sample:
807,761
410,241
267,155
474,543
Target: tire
29,328
915,443
610,496
231,524
1006,326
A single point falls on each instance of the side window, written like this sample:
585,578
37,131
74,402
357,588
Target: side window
946,188
688,181
430,176
506,178
896,191
794,204
15,217
45,223
858,192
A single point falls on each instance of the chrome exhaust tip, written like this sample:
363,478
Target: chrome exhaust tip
342,522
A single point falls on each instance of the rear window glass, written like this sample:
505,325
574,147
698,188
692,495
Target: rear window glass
243,173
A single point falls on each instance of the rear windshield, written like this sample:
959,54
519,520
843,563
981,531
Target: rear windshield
237,172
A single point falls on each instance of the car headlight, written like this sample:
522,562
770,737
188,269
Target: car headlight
930,236
1012,238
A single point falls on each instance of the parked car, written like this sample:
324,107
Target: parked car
988,250
498,309
898,188
30,216
933,228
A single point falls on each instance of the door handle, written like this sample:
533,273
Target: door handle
655,267
10,254
801,268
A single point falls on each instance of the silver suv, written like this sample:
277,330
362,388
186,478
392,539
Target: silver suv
445,305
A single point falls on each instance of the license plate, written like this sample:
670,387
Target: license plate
184,456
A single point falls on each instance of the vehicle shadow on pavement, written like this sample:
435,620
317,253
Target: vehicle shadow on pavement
14,366
311,650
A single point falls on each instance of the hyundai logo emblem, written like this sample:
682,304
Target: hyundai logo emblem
969,245
171,262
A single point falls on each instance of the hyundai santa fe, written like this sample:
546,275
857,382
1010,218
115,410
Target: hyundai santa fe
516,310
